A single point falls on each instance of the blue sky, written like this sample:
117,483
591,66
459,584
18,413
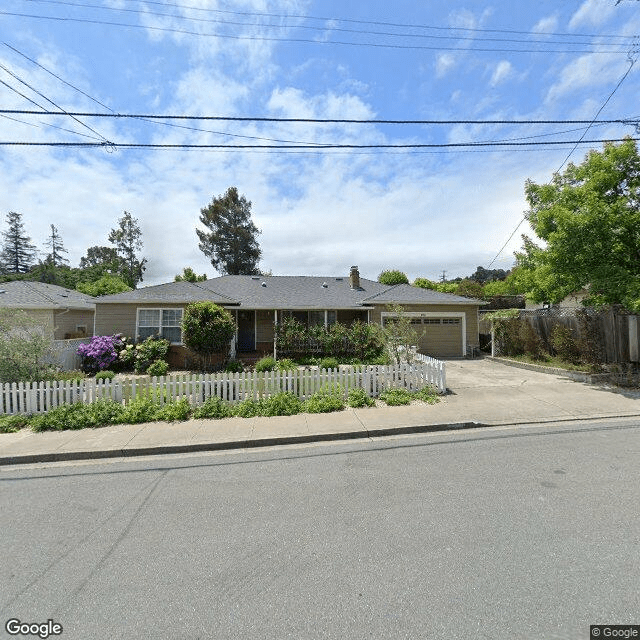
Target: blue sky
422,211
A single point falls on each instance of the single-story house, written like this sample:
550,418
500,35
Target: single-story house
64,313
258,303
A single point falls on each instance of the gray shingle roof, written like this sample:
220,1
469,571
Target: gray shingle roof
25,294
294,292
408,294
170,292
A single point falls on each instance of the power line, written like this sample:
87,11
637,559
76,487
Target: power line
379,45
319,146
90,114
578,142
331,28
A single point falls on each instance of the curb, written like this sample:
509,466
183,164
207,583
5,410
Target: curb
69,456
579,376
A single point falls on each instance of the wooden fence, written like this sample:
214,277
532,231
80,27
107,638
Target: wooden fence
38,397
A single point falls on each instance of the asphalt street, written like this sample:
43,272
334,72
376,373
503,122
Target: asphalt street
508,533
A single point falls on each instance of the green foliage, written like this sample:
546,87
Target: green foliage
141,409
484,276
80,416
328,363
564,343
400,335
231,242
126,355
267,363
158,368
24,344
106,374
103,286
393,276
71,376
127,238
427,394
329,398
469,289
515,336
11,424
281,404
174,411
55,258
149,351
214,408
18,254
207,329
189,275
359,398
589,220
441,287
248,408
286,364
234,366
395,397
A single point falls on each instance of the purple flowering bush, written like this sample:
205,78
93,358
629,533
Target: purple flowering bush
100,352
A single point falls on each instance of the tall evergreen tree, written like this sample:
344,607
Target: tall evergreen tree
231,242
127,239
18,253
55,257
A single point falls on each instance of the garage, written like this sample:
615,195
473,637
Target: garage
442,334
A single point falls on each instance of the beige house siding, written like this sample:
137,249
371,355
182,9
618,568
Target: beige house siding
43,317
66,323
121,318
443,340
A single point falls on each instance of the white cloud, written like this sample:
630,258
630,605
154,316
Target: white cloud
445,62
592,12
546,25
502,72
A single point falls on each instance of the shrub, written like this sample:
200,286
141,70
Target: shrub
393,276
286,364
207,329
79,416
564,344
234,366
359,398
106,374
23,345
100,352
248,408
158,368
213,407
11,424
427,394
327,399
71,376
174,411
126,356
281,404
141,409
267,363
328,363
395,397
147,352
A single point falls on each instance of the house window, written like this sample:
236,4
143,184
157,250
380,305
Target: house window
81,328
316,318
432,320
160,322
332,317
450,320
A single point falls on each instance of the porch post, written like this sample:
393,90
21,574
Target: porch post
326,321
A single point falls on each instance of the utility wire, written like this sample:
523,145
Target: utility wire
89,114
578,142
379,45
330,28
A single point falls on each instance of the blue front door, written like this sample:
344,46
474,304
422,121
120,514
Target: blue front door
246,331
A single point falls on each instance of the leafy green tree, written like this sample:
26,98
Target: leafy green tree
105,258
469,289
207,329
231,242
483,275
24,345
442,287
104,286
127,239
393,276
589,220
18,254
54,242
189,275
400,335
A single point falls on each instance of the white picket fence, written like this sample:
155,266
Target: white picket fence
38,397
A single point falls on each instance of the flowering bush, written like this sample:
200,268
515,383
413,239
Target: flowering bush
100,352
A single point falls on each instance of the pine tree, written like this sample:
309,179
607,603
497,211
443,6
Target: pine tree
127,239
231,243
55,258
18,253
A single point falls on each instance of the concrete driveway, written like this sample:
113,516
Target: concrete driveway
492,392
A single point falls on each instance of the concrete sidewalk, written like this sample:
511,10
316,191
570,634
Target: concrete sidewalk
483,393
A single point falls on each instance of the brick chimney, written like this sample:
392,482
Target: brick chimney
354,278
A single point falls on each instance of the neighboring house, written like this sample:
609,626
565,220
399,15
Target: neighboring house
258,303
64,313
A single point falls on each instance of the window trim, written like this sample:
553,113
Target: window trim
160,327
